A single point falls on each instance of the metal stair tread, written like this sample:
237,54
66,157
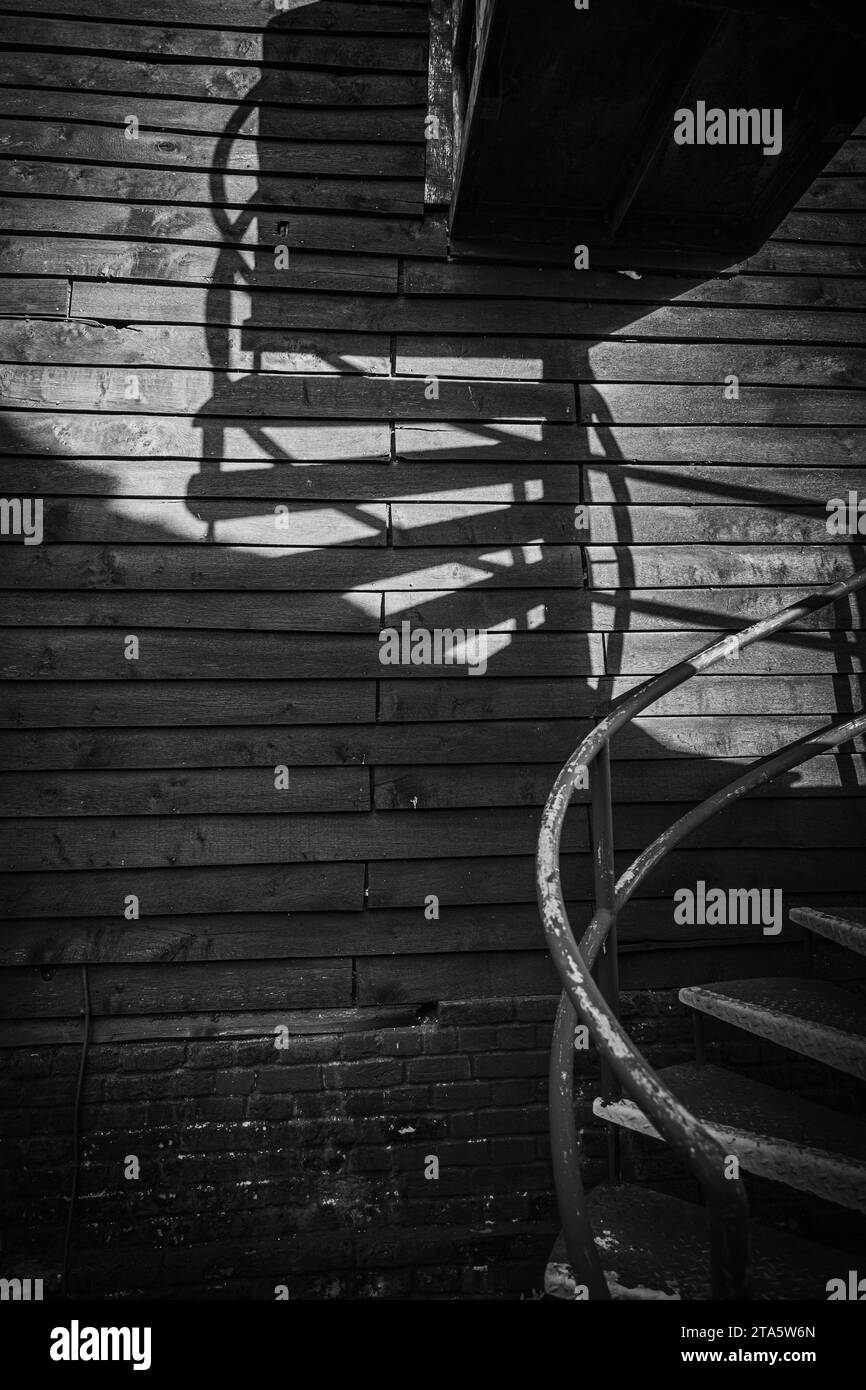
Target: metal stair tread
812,1017
774,1133
846,925
653,1246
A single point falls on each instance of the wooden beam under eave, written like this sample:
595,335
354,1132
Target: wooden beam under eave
662,126
439,125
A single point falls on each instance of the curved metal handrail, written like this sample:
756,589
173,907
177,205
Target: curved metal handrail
725,1198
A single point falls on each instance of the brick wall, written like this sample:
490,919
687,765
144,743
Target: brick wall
305,1166
302,1166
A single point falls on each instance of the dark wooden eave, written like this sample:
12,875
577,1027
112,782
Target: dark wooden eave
565,118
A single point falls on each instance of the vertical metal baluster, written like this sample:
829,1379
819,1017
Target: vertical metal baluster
607,970
565,1155
699,1037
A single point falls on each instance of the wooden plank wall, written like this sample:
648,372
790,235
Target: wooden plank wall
166,388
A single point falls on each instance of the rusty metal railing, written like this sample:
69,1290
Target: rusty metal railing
594,1000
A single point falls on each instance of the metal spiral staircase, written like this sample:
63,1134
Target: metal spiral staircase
628,1241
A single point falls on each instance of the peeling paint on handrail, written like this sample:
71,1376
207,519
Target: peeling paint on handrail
725,1198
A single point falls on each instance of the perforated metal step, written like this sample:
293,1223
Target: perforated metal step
657,1247
846,927
774,1134
817,1020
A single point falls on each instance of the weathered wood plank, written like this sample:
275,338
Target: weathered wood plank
802,524
230,791
772,822
150,303
660,738
252,1023
368,482
152,841
46,653
273,888
137,566
724,736
512,610
817,226
495,880
171,345
263,936
421,523
393,978
232,522
482,975
537,443
165,391
80,434
649,652
476,523
817,257
685,780
495,741
292,612
208,117
610,610
577,360
851,159
301,15
600,441
138,184
24,993
213,82
470,881
652,566
119,260
83,141
766,868
360,52
702,405
836,194
484,609
723,693
106,704
719,692
663,483
642,609
33,297
436,278
63,654
239,936
317,232
810,258
475,489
